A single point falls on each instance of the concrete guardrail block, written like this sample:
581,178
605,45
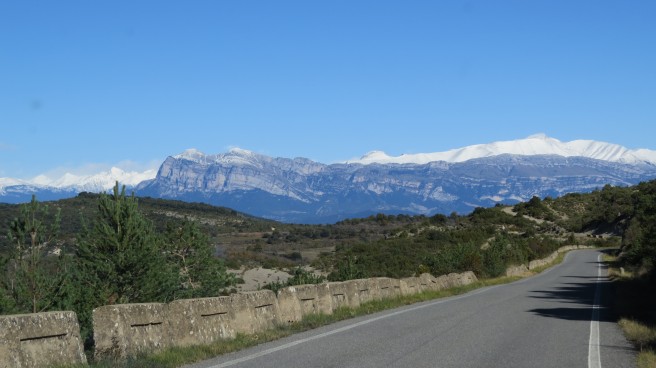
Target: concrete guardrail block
124,330
201,321
40,340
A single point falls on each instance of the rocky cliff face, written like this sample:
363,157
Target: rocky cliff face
300,190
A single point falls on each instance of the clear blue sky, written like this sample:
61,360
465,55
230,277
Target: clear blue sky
95,83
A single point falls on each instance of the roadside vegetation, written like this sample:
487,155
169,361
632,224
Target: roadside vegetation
176,357
123,249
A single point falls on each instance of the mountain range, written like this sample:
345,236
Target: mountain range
302,190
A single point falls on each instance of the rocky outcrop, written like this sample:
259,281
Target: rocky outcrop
300,190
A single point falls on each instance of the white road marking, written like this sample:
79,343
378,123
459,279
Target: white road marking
346,328
594,356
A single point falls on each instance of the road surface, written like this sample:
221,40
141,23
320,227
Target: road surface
555,319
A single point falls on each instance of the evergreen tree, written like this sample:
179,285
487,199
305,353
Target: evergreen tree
119,260
32,279
200,273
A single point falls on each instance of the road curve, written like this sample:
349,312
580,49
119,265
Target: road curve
549,320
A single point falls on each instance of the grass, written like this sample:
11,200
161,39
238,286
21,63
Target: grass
632,302
643,336
558,260
175,357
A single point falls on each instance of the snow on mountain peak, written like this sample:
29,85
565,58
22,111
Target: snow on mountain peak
539,136
91,183
374,156
240,151
537,144
191,154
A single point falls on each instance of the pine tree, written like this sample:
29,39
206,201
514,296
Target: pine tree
200,272
32,279
119,259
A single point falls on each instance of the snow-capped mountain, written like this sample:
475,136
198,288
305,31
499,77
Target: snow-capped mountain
301,190
538,144
89,183
68,185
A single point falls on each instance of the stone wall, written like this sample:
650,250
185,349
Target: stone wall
129,329
120,331
523,270
124,330
40,340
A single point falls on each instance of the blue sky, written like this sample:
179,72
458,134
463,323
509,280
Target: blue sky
89,84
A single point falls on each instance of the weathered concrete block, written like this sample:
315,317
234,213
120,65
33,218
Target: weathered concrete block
567,248
124,330
367,290
343,295
468,277
40,340
410,285
353,293
289,305
461,279
520,270
314,299
255,311
442,282
428,282
201,321
542,262
388,288
324,298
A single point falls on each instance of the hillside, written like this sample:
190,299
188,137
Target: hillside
394,245
411,241
175,242
300,190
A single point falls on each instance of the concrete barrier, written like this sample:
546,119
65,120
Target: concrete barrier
523,269
410,286
289,305
461,279
428,282
542,262
520,270
124,330
354,288
342,295
201,321
367,290
388,288
254,311
40,340
442,282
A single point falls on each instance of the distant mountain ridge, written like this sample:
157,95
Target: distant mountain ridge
538,144
90,183
68,185
301,190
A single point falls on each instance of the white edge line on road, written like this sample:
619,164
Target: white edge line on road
594,356
346,328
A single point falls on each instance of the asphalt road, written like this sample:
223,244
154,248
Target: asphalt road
542,321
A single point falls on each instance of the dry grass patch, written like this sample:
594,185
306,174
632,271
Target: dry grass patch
640,334
632,300
644,338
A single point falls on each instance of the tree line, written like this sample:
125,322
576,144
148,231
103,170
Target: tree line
118,257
